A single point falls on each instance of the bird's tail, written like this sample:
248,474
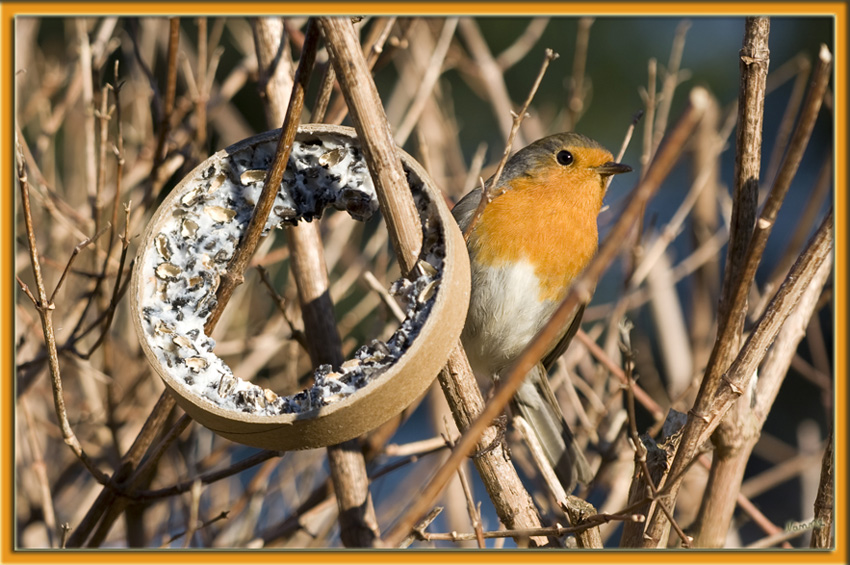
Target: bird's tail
536,403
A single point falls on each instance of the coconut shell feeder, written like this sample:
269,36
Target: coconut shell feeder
189,242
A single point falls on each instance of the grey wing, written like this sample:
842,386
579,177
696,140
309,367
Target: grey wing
561,346
465,208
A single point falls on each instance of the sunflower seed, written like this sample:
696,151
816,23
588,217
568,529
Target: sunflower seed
163,246
189,228
226,384
252,176
216,183
332,157
191,198
167,271
427,292
183,341
219,214
426,268
197,364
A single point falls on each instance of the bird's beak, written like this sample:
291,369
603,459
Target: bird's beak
612,168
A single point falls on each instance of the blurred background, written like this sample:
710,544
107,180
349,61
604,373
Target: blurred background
608,67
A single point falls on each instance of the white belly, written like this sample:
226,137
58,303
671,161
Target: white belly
500,324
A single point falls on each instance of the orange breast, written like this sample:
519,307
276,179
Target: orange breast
550,225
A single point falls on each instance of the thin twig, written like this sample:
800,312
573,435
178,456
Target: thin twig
77,248
116,289
593,521
522,44
386,298
243,253
295,333
802,71
372,49
490,74
672,79
576,103
203,90
45,310
428,81
119,154
167,109
221,516
474,513
488,192
640,449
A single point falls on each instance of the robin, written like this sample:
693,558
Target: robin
525,250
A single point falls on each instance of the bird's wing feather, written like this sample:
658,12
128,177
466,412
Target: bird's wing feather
559,349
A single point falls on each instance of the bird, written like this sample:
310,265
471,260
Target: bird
530,242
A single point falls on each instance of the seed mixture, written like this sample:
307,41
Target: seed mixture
181,271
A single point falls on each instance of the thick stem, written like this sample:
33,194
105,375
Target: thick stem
512,502
358,524
754,60
379,150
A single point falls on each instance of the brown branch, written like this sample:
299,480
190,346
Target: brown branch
242,255
522,44
379,150
358,524
512,503
109,313
825,500
104,115
733,432
372,49
799,141
650,99
106,499
672,78
221,516
728,464
167,109
427,82
77,248
736,379
90,164
576,103
754,60
419,530
802,70
297,334
641,395
119,155
203,90
323,98
490,74
640,449
45,310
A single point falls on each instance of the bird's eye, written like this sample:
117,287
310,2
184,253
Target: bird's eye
564,157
